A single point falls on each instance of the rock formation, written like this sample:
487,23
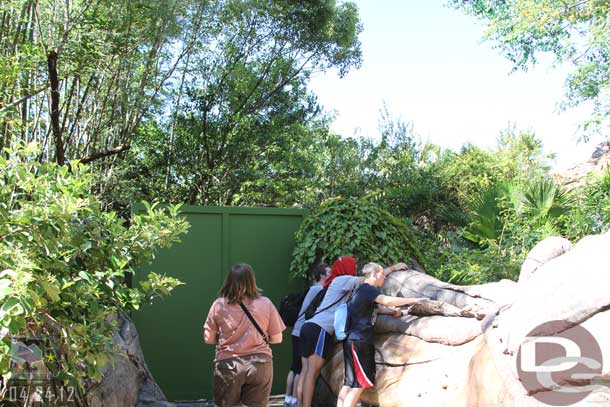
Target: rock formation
446,357
542,253
129,383
578,175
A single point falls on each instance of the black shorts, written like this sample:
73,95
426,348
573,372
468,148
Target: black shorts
296,355
314,339
360,369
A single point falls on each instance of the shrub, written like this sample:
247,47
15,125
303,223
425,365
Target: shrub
591,213
352,227
63,263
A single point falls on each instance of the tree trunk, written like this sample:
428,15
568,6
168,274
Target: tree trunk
55,122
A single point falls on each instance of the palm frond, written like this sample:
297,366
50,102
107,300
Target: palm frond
545,200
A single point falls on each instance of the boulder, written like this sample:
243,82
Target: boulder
570,288
414,284
446,356
434,329
543,252
129,383
581,174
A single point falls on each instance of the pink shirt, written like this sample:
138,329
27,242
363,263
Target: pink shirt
235,334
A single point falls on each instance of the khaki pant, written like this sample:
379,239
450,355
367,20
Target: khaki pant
245,378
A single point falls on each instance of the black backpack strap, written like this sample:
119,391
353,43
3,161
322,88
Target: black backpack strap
305,310
353,292
331,305
251,318
351,296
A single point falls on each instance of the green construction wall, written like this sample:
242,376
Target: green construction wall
171,329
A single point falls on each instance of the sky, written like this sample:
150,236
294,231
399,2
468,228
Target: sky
428,64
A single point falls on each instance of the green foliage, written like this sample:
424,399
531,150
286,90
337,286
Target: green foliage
242,127
453,261
517,159
507,220
406,176
591,210
352,227
114,57
209,94
452,258
544,200
541,203
486,219
63,263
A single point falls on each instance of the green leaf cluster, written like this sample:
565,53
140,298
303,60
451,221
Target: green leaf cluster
591,210
355,227
64,262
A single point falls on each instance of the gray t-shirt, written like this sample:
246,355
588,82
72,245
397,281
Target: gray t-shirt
339,288
313,290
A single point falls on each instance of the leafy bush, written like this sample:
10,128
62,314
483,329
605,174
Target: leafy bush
352,227
63,263
507,220
591,213
517,159
545,200
508,209
451,258
478,266
486,211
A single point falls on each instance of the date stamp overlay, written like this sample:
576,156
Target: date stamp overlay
31,382
562,369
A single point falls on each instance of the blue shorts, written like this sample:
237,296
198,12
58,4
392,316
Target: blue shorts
314,339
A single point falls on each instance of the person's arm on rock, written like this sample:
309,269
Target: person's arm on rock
396,301
395,312
394,267
386,272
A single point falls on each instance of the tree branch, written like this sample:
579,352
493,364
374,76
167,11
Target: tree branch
23,99
107,153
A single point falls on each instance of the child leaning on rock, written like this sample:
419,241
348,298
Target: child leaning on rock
358,346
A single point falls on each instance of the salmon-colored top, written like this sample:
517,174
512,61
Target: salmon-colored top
235,334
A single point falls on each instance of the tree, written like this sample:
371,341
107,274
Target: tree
574,31
241,105
590,212
517,158
223,63
87,72
406,174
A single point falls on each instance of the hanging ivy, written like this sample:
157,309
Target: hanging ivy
352,227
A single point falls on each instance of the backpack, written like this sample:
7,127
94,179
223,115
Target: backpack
290,306
341,323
